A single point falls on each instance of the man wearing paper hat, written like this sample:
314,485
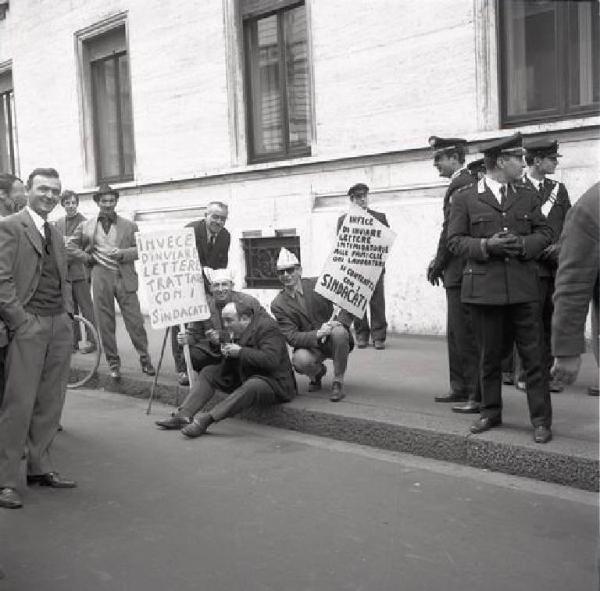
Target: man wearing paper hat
541,157
359,195
306,320
498,226
449,160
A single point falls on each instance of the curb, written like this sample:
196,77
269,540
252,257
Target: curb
539,464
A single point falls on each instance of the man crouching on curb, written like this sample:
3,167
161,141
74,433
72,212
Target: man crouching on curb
255,370
305,319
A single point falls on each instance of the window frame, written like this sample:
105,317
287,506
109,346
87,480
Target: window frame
122,176
246,42
7,98
562,74
272,244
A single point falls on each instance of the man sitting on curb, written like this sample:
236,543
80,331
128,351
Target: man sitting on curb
204,337
305,319
255,370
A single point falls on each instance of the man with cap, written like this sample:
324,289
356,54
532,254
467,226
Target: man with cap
498,226
541,157
206,337
255,371
449,159
359,195
306,320
107,244
477,169
212,243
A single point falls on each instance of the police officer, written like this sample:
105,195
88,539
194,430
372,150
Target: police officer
498,226
541,157
449,159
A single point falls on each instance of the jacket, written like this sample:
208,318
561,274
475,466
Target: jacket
475,215
76,269
219,256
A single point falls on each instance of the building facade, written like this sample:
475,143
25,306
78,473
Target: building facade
277,107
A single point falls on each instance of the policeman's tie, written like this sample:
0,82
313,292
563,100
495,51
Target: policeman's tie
503,196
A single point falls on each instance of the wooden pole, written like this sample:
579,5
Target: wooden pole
154,382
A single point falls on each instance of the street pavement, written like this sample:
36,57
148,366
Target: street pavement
253,508
389,404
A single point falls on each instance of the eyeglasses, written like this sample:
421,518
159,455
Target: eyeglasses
289,271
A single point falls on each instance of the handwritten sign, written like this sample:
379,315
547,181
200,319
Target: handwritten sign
353,268
171,277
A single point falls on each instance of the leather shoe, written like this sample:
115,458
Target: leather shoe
51,479
115,373
593,391
451,397
556,386
315,384
183,378
485,423
362,343
507,378
337,392
10,499
379,345
148,368
542,434
173,423
198,426
469,407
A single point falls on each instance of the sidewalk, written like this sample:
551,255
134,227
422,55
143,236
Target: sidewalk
389,404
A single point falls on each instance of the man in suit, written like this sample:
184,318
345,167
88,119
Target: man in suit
541,157
577,283
212,243
77,272
306,320
35,310
463,360
359,195
107,243
498,226
255,371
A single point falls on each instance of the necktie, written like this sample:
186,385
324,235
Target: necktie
211,243
502,196
47,238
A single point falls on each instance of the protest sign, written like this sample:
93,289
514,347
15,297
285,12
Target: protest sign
353,268
171,276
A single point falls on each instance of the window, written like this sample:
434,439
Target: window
8,130
261,259
549,59
108,83
277,80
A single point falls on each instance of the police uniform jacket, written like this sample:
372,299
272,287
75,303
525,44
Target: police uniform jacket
476,215
450,264
555,203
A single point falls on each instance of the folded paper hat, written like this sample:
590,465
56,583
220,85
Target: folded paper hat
287,259
220,275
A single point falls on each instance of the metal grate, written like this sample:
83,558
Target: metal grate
261,259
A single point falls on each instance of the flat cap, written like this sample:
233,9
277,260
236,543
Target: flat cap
444,144
511,146
541,147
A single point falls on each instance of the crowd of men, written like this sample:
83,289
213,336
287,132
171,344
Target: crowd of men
519,274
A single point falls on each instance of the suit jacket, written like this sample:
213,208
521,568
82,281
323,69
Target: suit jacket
219,256
554,200
450,264
475,215
264,355
577,280
299,323
81,245
20,268
198,329
76,269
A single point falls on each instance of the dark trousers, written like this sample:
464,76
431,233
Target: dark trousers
200,359
378,329
253,392
82,304
2,373
177,351
463,355
489,324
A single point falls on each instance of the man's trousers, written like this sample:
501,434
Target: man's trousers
37,371
107,287
253,392
82,304
489,324
463,355
378,329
